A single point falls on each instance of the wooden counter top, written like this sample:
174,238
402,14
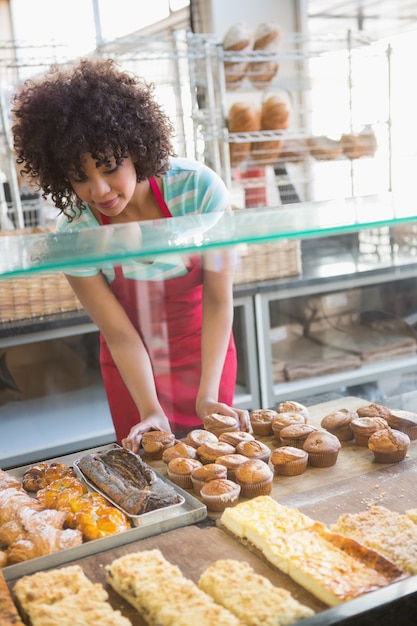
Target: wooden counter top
352,484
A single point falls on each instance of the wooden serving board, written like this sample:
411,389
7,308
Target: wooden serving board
354,482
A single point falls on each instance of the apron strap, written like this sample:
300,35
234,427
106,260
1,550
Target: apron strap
159,198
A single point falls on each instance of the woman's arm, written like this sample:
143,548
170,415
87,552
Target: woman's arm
127,350
216,330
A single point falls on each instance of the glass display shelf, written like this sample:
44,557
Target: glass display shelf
22,254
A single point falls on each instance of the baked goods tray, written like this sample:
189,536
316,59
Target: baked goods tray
189,511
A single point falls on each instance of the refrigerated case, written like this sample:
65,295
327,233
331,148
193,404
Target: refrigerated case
51,426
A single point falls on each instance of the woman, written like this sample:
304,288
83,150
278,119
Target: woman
94,139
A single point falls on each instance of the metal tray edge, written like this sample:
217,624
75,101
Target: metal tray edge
189,512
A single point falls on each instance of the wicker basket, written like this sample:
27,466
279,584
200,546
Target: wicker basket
266,261
36,295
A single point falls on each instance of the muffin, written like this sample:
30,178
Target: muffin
179,471
220,493
295,434
155,442
322,448
373,410
180,449
338,423
218,424
236,437
255,478
285,419
389,445
199,436
364,427
405,421
209,452
254,450
289,461
205,473
261,421
231,462
290,406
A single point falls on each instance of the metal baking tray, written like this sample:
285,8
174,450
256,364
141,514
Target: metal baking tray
137,520
190,511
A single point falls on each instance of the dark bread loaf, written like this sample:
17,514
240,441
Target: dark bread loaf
127,480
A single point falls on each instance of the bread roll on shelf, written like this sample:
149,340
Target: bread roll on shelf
267,40
237,40
275,113
243,117
324,149
294,150
355,146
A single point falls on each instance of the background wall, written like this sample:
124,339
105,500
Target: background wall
217,16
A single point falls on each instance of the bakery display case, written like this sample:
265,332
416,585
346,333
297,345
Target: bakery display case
322,493
50,379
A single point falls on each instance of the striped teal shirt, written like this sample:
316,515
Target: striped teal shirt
189,188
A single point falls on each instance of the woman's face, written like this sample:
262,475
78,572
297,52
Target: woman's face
107,187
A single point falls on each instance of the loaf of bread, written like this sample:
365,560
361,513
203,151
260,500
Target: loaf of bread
237,41
243,117
267,40
127,480
275,113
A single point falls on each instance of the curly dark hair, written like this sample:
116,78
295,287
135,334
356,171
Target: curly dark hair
93,107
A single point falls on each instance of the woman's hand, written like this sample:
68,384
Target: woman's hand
205,406
152,422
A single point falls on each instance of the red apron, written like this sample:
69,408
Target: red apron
168,316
